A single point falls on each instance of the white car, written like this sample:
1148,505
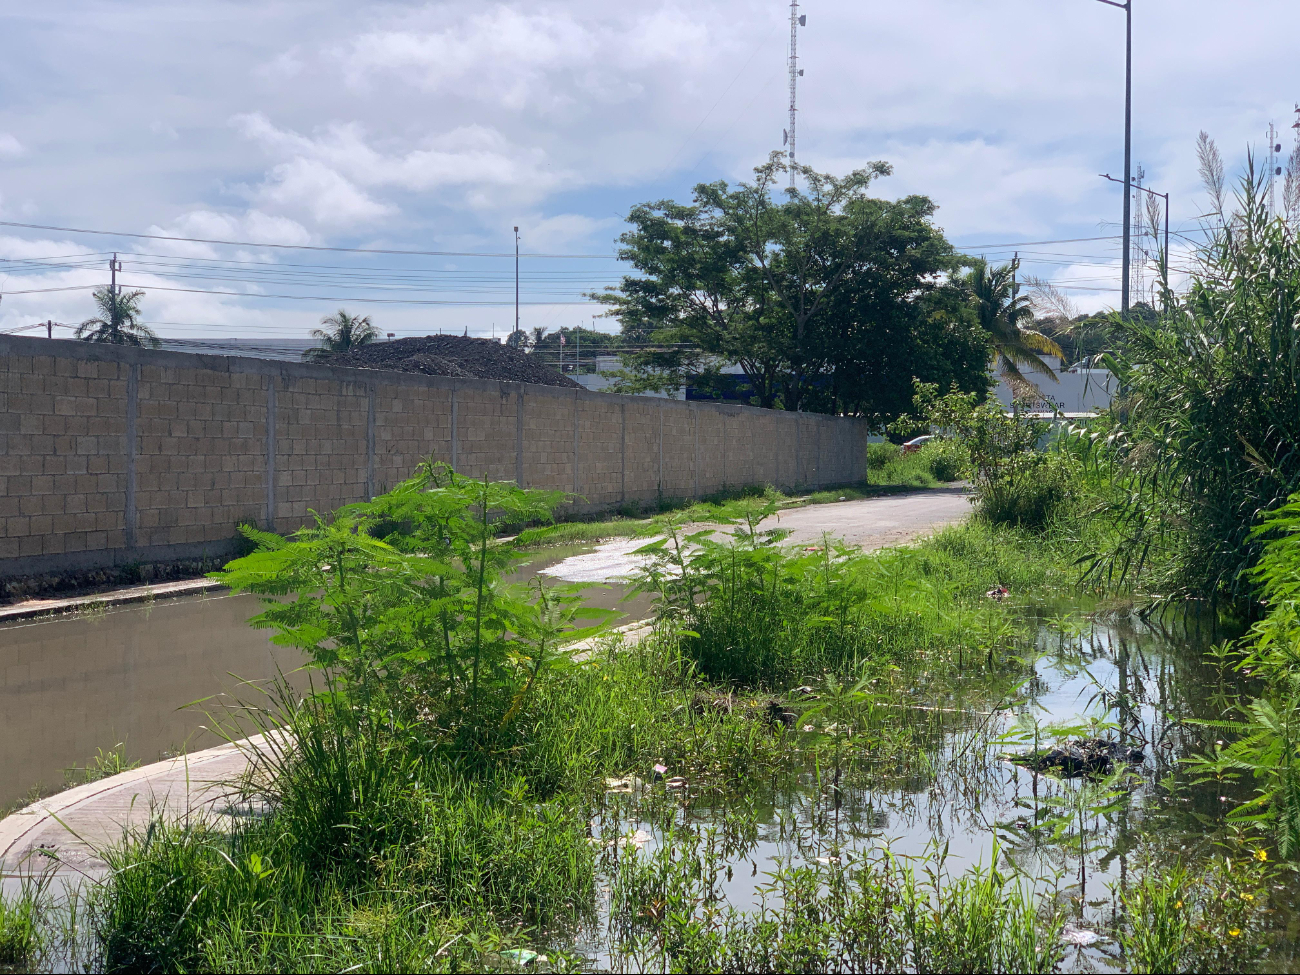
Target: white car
912,446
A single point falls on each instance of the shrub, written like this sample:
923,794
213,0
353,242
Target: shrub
946,459
880,454
1029,494
1203,439
421,615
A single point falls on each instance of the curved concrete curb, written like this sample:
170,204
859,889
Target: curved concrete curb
35,608
67,829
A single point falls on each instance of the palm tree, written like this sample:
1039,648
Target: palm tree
118,321
1006,317
346,332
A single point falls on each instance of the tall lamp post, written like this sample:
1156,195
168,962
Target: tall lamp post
1127,7
1164,263
516,279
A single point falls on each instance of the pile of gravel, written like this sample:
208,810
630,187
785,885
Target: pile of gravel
455,356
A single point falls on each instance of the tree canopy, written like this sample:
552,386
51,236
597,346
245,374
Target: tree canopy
118,321
830,300
1007,317
346,331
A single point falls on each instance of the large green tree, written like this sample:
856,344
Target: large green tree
815,296
118,321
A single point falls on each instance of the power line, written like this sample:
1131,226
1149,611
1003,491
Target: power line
301,247
1035,243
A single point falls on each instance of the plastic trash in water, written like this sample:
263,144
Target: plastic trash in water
520,956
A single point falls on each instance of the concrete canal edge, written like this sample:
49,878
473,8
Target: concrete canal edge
66,831
37,608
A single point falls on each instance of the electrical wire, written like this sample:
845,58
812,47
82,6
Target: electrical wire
301,247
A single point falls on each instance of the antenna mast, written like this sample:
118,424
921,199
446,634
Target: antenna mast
1137,278
1274,150
796,22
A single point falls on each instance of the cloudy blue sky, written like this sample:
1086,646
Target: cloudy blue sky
439,126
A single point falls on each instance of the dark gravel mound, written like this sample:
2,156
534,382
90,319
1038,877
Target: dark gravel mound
456,356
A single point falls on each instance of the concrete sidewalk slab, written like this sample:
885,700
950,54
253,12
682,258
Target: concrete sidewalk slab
64,832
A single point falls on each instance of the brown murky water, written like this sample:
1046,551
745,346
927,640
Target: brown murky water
129,676
75,684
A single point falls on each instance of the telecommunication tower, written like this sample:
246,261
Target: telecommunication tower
797,20
1138,263
1274,170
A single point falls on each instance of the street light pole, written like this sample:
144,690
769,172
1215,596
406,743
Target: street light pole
1164,260
1127,7
516,279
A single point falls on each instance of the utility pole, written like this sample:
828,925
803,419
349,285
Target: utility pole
1164,259
113,267
796,21
516,279
1138,285
49,329
1127,7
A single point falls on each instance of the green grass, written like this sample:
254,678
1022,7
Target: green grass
422,822
20,935
936,463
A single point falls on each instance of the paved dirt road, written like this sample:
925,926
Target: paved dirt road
878,522
74,824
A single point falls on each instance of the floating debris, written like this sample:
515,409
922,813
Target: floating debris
522,956
1080,937
1088,756
778,713
998,592
628,783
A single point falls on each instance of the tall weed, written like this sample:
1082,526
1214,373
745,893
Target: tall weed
1203,439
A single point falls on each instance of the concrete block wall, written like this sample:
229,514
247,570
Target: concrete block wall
115,455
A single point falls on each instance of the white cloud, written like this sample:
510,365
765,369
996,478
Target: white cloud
546,59
252,226
325,173
429,125
563,232
310,186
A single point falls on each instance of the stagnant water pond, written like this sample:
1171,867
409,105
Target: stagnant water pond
128,678
1076,840
77,684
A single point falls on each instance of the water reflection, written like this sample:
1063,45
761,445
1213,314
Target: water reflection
1144,682
76,684
73,685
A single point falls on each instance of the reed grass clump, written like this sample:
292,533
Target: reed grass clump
844,913
20,936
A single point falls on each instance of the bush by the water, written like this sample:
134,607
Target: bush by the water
1203,439
938,462
758,614
1033,493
